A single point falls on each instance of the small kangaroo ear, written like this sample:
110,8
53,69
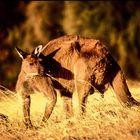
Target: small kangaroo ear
37,51
21,53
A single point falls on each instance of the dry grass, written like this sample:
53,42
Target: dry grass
106,119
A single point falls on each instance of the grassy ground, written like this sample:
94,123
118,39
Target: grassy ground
106,119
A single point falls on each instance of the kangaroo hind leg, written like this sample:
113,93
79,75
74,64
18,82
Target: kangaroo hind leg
121,89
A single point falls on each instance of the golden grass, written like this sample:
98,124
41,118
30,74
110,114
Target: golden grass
105,119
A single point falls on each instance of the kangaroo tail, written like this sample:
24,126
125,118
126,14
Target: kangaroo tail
121,89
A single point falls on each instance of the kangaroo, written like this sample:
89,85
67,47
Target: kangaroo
69,63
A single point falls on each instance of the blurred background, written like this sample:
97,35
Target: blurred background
28,24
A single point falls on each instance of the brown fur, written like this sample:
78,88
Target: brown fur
70,63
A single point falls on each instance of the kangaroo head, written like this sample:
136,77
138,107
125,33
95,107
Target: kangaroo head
31,63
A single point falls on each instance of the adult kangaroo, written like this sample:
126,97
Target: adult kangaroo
70,63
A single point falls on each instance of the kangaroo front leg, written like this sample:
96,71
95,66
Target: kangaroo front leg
82,102
49,108
67,104
83,90
26,110
51,101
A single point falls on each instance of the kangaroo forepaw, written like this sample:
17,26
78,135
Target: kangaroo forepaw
28,125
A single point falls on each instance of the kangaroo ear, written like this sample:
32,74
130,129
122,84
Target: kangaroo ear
21,53
37,51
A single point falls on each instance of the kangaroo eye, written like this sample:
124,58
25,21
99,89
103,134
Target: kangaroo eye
31,64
